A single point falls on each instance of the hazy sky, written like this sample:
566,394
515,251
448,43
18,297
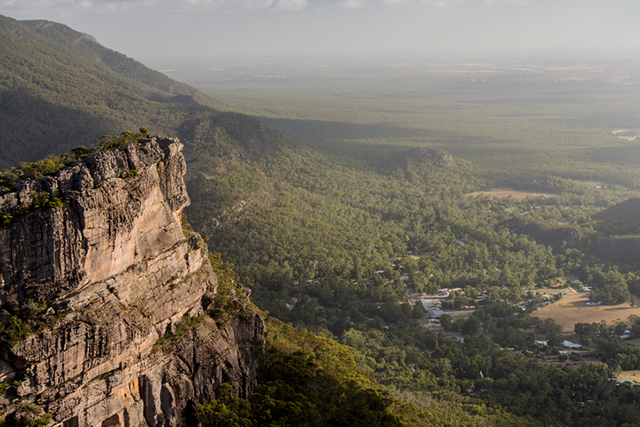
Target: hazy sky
151,29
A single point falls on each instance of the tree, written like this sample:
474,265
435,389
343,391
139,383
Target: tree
471,326
447,322
227,411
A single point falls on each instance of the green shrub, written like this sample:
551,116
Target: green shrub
6,218
187,324
37,170
111,142
55,202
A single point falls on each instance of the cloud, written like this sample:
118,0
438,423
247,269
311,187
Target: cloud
515,2
62,7
124,5
258,4
354,4
361,4
292,4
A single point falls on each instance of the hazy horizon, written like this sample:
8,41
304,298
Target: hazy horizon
159,31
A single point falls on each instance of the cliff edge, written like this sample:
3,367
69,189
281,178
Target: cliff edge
97,275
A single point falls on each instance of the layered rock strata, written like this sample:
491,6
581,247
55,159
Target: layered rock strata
107,271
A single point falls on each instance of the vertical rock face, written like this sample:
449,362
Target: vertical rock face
109,272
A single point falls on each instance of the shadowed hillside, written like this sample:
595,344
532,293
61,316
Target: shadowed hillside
58,85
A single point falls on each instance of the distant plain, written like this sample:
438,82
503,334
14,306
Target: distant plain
539,116
573,118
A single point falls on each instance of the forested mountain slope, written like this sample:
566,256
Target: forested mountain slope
58,85
619,228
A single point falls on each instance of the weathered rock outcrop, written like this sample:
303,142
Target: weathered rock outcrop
105,274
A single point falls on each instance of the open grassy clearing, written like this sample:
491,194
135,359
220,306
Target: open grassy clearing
573,309
630,375
508,192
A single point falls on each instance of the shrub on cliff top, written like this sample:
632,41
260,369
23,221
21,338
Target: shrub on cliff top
111,142
52,164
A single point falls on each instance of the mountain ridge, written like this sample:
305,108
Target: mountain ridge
58,86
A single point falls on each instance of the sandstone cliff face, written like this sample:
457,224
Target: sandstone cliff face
110,272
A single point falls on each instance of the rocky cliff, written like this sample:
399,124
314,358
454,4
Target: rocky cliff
97,275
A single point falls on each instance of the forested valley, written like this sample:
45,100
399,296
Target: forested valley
344,251
339,239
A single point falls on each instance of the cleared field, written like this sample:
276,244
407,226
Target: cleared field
630,375
573,309
506,192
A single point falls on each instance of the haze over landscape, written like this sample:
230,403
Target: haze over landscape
161,31
378,212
